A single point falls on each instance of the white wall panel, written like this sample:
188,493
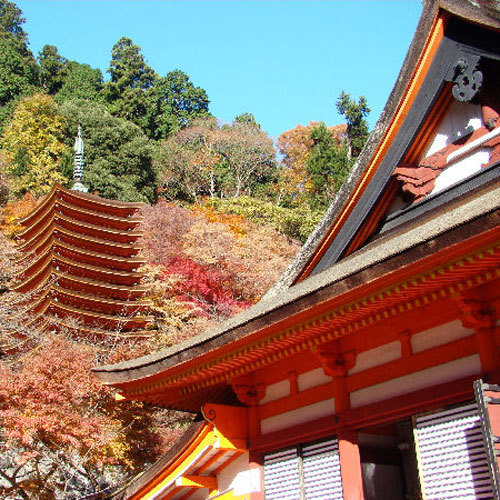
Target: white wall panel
419,380
298,416
442,334
312,379
378,356
276,391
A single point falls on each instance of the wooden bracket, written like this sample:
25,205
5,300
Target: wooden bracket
475,314
336,363
248,393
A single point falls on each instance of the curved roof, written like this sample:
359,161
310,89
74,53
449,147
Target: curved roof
84,200
80,260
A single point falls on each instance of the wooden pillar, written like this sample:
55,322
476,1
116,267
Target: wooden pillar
350,465
342,401
489,353
337,364
250,394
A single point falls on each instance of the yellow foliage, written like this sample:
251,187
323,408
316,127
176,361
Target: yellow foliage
236,223
13,211
32,145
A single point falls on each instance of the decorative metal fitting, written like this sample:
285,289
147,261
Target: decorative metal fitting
467,79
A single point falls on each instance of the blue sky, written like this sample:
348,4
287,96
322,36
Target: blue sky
284,61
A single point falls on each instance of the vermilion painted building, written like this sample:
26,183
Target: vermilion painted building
370,369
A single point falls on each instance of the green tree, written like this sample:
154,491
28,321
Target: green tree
18,68
33,146
12,20
247,119
118,156
128,91
327,166
52,69
80,82
175,104
357,127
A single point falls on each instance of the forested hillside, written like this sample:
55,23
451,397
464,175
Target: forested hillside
225,212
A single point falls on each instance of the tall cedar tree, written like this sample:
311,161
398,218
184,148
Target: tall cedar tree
131,79
357,127
327,166
52,69
80,82
175,104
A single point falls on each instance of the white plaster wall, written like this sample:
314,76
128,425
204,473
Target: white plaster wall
419,380
312,379
238,477
275,391
298,416
462,169
462,119
442,334
378,356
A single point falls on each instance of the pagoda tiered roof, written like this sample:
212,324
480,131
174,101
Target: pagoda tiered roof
81,267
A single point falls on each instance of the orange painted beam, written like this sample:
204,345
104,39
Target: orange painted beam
415,363
209,482
387,411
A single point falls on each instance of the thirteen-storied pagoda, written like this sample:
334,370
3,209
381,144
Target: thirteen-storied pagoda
81,261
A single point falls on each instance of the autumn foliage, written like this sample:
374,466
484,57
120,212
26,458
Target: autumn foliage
62,432
15,210
295,146
206,266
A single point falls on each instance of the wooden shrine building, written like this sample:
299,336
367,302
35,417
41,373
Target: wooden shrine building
81,264
371,370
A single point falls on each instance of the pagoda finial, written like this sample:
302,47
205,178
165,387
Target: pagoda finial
79,163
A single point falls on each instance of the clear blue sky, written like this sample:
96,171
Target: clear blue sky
283,61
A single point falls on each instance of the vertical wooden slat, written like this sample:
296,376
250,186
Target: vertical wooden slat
305,472
452,456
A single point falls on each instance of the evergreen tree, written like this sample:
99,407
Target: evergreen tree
12,20
80,82
247,119
18,68
52,70
327,166
118,156
357,127
128,91
175,103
